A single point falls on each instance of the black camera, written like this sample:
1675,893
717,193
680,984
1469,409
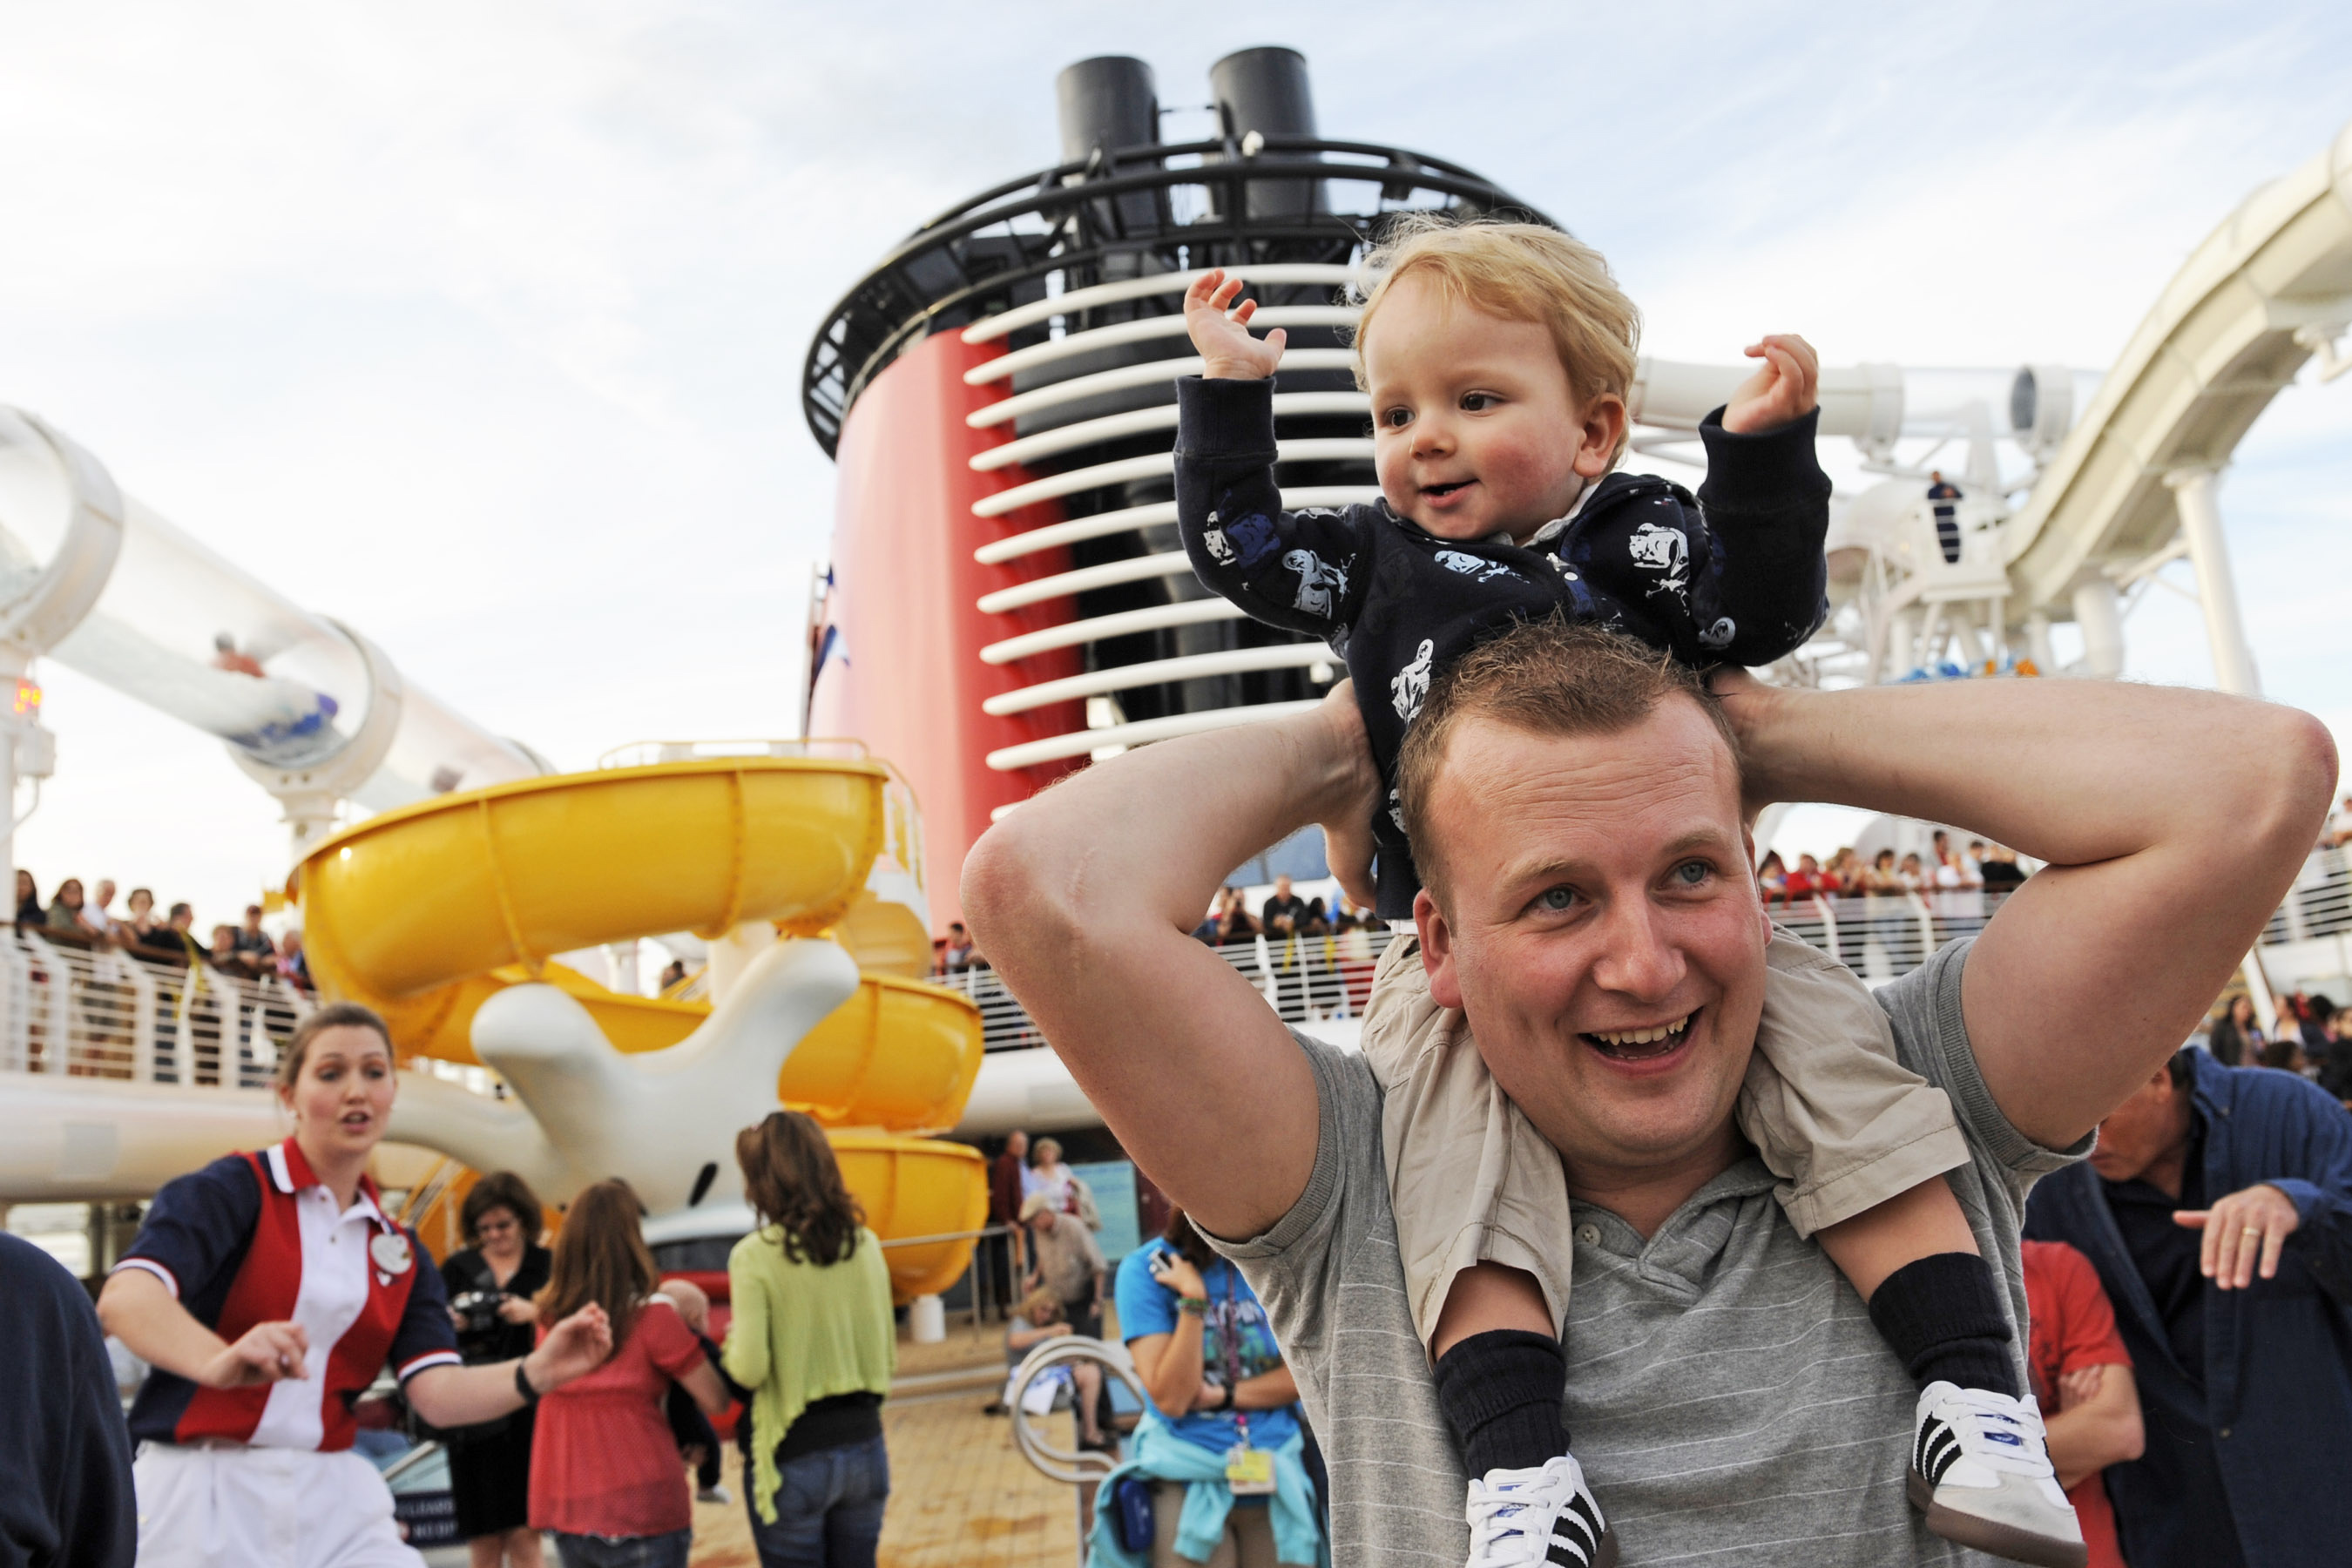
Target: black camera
479,1323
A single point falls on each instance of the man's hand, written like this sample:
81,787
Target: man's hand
574,1347
1780,391
2241,1228
266,1353
1220,331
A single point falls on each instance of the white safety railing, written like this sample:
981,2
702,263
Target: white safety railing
1090,464
1881,937
104,1013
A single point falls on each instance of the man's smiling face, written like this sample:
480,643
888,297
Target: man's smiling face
1600,929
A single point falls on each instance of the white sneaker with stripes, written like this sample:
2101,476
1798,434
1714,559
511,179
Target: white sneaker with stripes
1981,1472
1547,1517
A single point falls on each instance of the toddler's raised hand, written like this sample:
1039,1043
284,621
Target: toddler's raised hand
1782,390
1220,331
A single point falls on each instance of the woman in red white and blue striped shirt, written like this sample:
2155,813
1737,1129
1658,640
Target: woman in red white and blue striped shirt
267,1290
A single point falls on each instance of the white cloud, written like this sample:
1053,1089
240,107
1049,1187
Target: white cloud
482,327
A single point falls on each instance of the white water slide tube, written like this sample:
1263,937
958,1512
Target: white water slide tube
311,709
2267,290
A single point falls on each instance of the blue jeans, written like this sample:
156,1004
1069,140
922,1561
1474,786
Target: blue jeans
828,1509
668,1551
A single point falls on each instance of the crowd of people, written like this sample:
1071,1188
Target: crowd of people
1944,869
2309,1036
1282,914
82,917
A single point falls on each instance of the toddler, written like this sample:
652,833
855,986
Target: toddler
1498,358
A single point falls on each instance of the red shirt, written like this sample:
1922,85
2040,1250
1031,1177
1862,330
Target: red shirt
602,1461
2074,1327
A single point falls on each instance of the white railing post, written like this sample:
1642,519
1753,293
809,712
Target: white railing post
142,1016
56,1027
16,1036
1829,928
1927,926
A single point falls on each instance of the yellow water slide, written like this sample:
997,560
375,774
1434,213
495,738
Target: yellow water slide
425,912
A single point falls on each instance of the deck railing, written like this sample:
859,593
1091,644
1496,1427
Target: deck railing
1882,938
95,1012
81,1011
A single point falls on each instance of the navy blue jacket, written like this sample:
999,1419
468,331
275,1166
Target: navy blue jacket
65,1453
2267,1421
1736,575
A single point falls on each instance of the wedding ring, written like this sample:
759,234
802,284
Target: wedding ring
2252,1230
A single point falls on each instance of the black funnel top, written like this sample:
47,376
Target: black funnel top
1263,90
1107,103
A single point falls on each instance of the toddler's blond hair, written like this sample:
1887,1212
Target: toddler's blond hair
1521,272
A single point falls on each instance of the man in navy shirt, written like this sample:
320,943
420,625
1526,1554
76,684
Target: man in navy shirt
65,1453
2218,1210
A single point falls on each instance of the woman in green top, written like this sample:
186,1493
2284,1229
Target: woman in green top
815,1341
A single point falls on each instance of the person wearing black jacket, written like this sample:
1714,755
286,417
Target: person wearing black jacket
65,1453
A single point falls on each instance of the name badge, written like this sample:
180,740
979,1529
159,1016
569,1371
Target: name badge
389,1250
1249,1471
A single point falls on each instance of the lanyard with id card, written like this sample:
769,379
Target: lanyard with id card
1249,1472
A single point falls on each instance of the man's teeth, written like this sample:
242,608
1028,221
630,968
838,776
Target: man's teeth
1641,1037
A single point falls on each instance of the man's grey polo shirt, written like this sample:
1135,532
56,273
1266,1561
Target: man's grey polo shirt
1726,1395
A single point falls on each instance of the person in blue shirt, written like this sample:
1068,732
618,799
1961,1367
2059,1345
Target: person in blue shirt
65,1455
1216,1389
2218,1210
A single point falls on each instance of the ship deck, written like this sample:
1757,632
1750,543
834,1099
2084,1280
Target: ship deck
961,1493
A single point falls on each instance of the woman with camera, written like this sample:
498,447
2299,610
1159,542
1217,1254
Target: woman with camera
1219,1459
491,1283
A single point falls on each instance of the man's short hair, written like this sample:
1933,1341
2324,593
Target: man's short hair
2181,1066
1547,678
1521,272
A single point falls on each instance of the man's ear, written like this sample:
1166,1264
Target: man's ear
1436,949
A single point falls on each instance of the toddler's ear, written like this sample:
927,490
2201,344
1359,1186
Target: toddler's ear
1602,430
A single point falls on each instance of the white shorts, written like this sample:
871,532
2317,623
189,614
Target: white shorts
264,1508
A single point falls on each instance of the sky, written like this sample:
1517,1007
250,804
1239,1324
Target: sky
480,328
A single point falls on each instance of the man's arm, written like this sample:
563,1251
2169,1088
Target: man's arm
1085,896
2162,866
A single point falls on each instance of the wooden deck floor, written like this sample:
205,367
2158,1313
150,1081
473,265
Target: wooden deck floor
960,1494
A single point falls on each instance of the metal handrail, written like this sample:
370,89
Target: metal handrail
1882,938
1075,1467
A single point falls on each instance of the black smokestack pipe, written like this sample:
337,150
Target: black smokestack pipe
1265,91
1107,103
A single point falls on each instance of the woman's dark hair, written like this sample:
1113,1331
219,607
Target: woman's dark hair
499,1190
334,1016
1180,1234
793,1183
601,1257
